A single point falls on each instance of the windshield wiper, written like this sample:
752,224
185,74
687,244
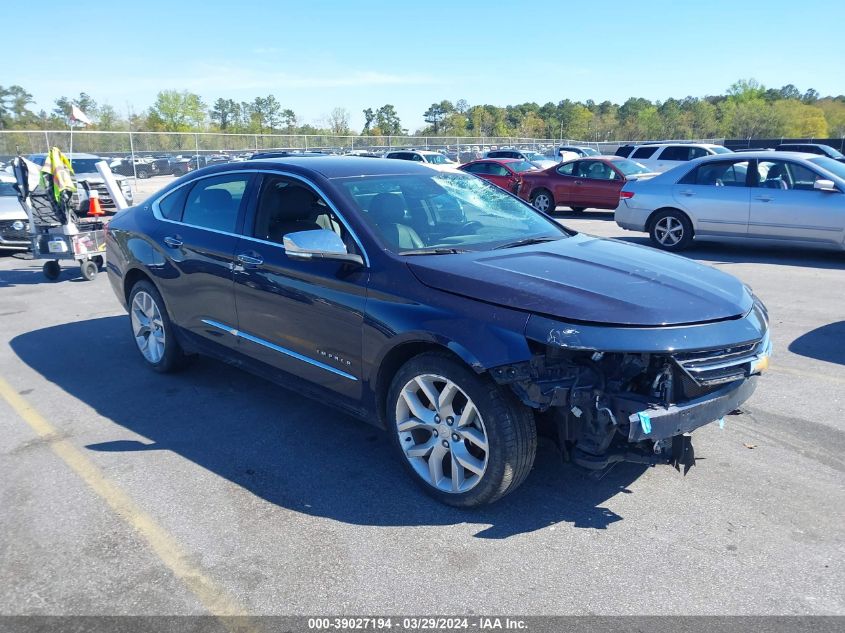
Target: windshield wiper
528,240
435,251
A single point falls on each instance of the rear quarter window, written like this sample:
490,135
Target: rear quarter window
172,205
643,152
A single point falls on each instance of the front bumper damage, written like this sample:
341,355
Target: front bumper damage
635,394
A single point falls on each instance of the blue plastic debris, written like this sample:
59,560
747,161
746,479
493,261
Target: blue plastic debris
721,423
645,422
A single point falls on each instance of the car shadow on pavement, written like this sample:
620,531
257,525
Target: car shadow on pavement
284,448
825,343
715,253
34,276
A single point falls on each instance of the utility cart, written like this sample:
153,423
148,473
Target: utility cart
55,231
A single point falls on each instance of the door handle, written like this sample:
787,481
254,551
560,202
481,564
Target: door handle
764,198
249,261
687,193
579,182
173,242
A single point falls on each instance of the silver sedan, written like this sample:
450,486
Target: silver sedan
765,197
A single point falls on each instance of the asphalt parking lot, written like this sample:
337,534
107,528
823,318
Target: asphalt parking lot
128,492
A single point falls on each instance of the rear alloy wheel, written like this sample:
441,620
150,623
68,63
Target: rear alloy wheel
671,230
143,174
152,330
465,440
543,201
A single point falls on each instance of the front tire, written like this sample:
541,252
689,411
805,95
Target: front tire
153,330
463,438
671,230
543,201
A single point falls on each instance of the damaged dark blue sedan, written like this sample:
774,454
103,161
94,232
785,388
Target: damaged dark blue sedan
440,307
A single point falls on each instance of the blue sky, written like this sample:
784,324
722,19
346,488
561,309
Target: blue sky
322,54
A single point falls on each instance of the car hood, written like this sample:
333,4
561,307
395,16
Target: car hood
95,176
590,280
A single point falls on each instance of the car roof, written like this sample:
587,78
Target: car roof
493,159
338,166
774,155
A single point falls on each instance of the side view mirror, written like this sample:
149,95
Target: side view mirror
825,185
318,244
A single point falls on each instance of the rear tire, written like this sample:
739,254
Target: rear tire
51,270
89,270
153,331
473,446
543,201
671,230
143,174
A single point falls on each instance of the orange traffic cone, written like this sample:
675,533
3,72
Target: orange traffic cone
94,207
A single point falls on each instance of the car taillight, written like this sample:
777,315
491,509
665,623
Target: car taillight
625,195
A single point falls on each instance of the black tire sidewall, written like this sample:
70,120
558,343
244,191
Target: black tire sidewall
51,270
499,411
685,241
173,358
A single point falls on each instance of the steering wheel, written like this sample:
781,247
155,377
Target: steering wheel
471,226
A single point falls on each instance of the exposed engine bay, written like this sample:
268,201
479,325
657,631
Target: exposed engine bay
604,407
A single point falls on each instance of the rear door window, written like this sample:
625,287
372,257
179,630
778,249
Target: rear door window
497,170
477,168
675,152
214,203
718,174
567,169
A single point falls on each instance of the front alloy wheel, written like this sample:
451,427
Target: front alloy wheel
464,438
441,433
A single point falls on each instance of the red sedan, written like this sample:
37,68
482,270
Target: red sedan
593,182
505,172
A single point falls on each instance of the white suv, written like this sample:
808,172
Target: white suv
660,157
435,160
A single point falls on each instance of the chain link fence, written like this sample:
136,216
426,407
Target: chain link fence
149,143
122,144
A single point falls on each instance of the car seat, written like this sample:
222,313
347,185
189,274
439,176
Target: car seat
387,211
292,210
776,178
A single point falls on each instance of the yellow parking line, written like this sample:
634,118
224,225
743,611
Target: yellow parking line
213,597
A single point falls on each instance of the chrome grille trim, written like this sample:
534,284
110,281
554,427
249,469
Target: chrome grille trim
713,367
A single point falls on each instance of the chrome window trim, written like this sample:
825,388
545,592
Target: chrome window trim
277,348
154,205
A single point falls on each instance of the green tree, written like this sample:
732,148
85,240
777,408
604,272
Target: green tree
388,121
437,112
84,102
14,107
175,111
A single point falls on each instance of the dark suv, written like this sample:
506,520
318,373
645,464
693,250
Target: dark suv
440,307
812,148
